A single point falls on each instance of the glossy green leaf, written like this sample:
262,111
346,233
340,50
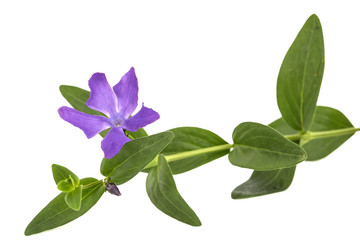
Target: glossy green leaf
162,191
77,98
262,148
325,119
300,76
192,138
134,156
62,173
58,213
265,182
73,198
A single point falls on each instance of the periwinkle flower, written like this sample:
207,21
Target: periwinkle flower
117,103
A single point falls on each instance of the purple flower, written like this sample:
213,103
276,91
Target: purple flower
117,104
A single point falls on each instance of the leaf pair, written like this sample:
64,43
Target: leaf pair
58,212
68,183
298,87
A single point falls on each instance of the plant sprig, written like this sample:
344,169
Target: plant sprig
305,132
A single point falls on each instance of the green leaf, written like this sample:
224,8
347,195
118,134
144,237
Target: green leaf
58,213
162,191
265,182
138,134
134,156
300,76
77,98
192,138
61,173
73,198
65,185
325,119
262,148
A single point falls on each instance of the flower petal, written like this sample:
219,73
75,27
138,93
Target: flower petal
102,97
127,93
144,117
113,142
90,124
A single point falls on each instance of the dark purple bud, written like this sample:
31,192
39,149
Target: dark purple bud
112,188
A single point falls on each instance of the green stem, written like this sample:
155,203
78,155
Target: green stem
304,137
92,184
322,134
187,154
332,133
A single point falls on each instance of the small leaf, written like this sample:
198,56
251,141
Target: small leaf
162,191
58,213
262,148
265,182
62,173
65,185
300,76
134,156
192,138
77,98
73,198
325,119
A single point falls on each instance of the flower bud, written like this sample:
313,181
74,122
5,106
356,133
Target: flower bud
112,188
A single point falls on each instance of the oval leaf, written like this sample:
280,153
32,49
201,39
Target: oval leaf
58,213
192,138
300,76
262,148
325,119
162,191
265,182
134,156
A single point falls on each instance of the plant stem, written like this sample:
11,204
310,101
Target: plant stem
305,137
331,133
182,155
92,184
322,134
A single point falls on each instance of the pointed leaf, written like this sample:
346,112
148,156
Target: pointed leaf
192,138
300,76
325,119
134,156
162,191
262,148
62,173
73,198
265,182
58,213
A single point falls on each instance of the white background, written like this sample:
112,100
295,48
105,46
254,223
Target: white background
209,64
